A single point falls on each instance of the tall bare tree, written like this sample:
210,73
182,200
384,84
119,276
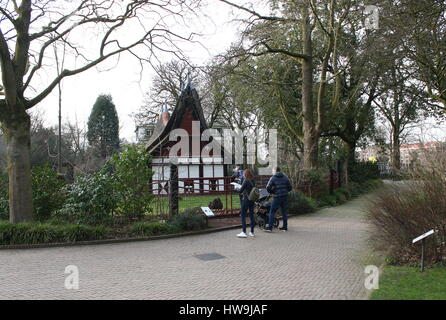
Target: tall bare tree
316,26
28,28
424,23
170,79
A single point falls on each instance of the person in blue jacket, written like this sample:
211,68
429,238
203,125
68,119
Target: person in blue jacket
279,185
238,175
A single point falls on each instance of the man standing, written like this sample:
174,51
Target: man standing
279,185
238,175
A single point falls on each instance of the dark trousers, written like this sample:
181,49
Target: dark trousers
282,203
247,207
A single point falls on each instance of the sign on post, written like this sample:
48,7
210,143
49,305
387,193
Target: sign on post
422,238
207,211
425,235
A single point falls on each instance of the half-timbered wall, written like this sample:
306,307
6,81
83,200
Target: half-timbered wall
188,168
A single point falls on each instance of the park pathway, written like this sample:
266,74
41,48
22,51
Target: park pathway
320,257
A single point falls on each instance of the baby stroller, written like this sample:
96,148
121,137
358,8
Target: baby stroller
261,210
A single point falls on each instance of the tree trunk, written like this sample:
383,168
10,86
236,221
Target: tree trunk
396,155
349,149
59,136
18,148
311,138
396,129
311,148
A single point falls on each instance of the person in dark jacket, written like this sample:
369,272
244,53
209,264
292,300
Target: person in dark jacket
247,206
279,185
238,177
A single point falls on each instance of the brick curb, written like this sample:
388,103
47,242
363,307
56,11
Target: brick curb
123,240
109,241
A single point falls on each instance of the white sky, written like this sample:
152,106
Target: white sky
123,81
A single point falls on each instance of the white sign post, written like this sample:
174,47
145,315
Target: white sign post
423,238
425,235
208,213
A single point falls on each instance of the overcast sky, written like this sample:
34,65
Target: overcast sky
124,80
128,85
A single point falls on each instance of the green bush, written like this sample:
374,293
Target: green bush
327,200
56,221
48,194
150,229
345,191
340,197
120,187
371,185
91,199
189,219
314,176
76,232
34,233
300,203
363,171
314,181
132,174
354,188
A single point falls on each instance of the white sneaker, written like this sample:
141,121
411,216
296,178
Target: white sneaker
251,234
242,235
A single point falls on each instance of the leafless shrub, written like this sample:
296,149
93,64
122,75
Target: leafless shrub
402,212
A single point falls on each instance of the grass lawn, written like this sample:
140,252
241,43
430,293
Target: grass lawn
203,201
197,201
408,283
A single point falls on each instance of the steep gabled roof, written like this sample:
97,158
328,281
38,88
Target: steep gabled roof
188,100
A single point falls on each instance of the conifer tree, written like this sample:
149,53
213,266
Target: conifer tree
103,126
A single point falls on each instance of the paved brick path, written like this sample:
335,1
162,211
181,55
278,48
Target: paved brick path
319,258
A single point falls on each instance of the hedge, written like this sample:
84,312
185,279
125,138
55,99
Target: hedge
34,233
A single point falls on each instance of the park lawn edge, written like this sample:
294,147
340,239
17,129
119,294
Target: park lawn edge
409,283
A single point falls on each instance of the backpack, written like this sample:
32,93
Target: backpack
254,195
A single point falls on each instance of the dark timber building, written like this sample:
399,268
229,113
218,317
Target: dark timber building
188,117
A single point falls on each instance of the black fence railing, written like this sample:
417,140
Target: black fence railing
215,192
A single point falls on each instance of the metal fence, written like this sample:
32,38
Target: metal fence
177,194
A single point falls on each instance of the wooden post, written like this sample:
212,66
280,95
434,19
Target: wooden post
173,191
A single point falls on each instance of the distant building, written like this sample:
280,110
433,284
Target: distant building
144,132
373,153
187,110
413,153
409,154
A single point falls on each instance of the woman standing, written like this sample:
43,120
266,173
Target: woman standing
247,206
